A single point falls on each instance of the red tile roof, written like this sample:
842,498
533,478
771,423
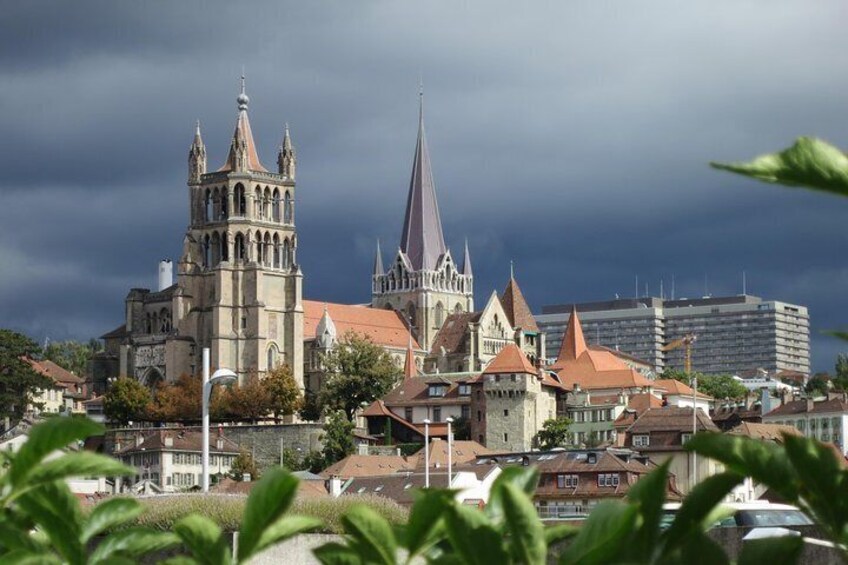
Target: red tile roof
367,466
453,335
383,327
243,132
671,418
510,360
517,309
53,371
675,387
186,440
834,405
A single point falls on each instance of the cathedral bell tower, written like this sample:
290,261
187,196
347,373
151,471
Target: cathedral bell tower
423,282
239,278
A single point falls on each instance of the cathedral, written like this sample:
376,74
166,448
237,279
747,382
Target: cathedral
238,288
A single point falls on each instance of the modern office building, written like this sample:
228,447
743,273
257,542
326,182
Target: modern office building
734,333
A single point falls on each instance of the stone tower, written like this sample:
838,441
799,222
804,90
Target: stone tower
423,282
239,283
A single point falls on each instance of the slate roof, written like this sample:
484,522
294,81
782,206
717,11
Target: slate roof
768,432
383,327
517,309
671,418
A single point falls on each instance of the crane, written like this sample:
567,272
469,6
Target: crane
686,341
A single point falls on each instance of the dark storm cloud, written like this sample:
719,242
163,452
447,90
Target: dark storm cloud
571,138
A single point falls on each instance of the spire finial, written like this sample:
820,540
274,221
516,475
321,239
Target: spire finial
420,99
242,99
197,127
511,269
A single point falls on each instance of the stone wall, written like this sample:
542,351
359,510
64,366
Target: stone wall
263,441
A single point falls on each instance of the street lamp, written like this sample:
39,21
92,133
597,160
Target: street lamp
427,453
450,448
223,377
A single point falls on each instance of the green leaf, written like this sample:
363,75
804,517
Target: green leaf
24,557
774,551
80,464
47,437
766,463
700,549
286,527
56,513
525,478
425,524
527,534
810,163
697,513
649,493
133,542
334,553
560,532
179,560
109,514
841,335
203,538
268,500
604,536
474,537
371,535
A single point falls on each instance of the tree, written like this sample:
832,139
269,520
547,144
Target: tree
72,355
840,381
461,429
127,399
243,465
178,401
358,372
818,385
284,396
311,410
554,433
250,401
19,382
717,386
337,438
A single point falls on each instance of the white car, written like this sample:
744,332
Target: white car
758,514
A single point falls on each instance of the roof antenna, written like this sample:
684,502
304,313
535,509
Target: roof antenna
672,286
744,283
637,286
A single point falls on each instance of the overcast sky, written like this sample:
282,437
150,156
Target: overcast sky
570,137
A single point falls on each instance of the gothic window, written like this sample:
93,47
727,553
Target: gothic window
225,247
287,208
240,201
216,205
440,314
286,254
207,259
457,309
276,263
239,248
216,249
272,357
225,204
148,323
154,322
257,203
207,206
164,321
276,206
266,250
410,313
266,204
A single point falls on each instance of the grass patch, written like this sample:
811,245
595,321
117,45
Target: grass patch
162,512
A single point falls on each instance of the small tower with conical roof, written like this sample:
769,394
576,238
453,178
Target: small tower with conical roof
423,282
196,157
286,158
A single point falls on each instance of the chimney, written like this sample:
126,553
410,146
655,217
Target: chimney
811,404
362,449
765,401
166,274
335,486
168,440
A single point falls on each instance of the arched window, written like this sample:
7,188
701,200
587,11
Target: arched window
410,313
257,203
258,242
276,263
240,201
207,252
266,204
276,206
239,248
266,250
286,253
207,206
164,321
225,203
216,249
440,314
148,323
225,247
287,209
458,308
216,205
272,357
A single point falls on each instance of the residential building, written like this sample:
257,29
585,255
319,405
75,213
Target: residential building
67,392
825,420
734,333
661,433
676,393
593,416
423,281
238,289
172,460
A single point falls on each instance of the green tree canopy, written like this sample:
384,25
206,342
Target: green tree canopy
126,400
717,386
337,438
19,382
818,385
72,355
243,465
554,433
358,372
284,396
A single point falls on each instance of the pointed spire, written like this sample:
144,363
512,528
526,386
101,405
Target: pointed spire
196,157
422,239
286,158
466,261
378,261
516,307
573,344
243,155
410,370
326,330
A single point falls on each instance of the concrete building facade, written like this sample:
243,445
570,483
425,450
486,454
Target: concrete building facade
734,333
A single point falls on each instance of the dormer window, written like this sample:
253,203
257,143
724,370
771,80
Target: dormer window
641,440
464,389
438,390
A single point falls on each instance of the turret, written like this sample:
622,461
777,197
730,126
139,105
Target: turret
286,158
196,157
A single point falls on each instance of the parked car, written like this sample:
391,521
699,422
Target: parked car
758,514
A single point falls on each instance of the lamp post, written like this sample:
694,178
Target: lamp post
427,453
694,429
450,448
221,376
